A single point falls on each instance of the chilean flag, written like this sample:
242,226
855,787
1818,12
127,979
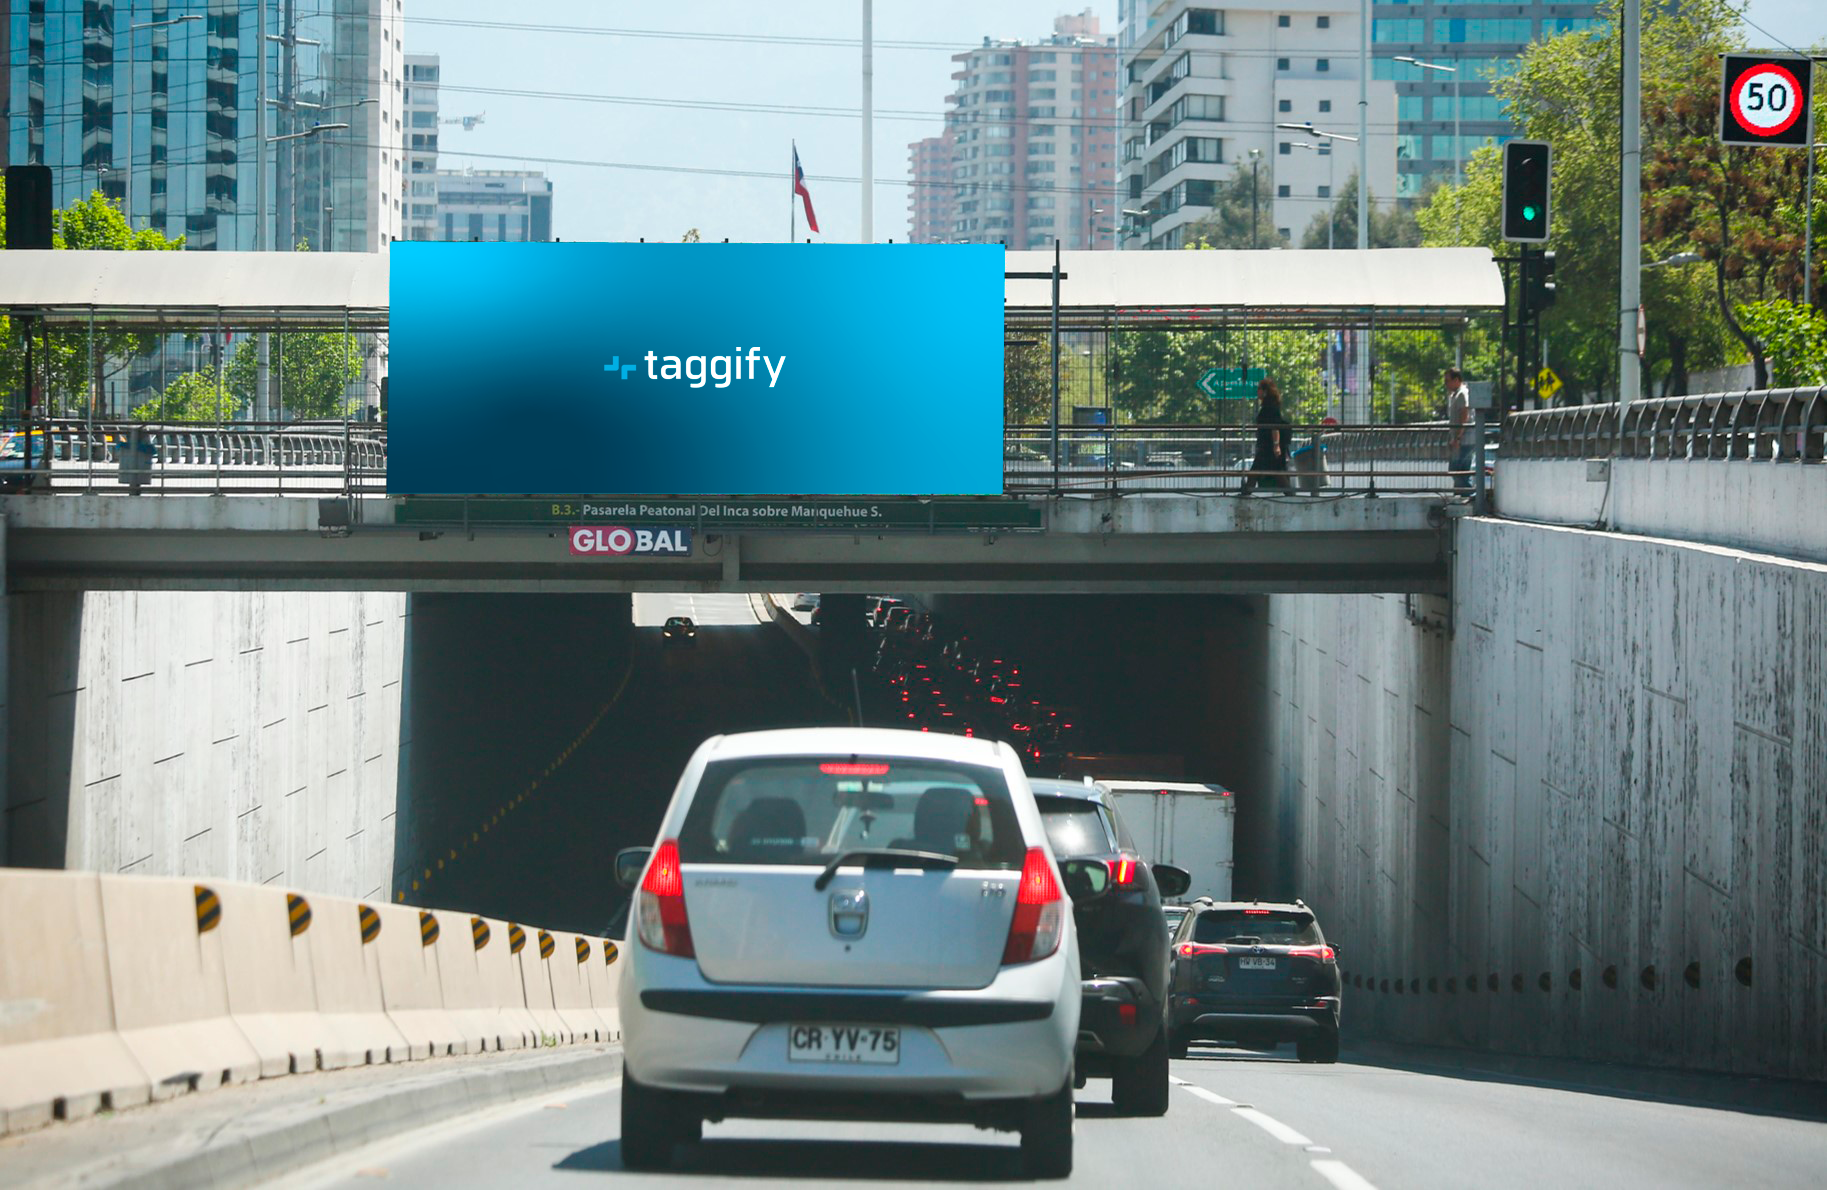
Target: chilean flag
799,188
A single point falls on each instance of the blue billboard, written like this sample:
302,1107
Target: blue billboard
695,369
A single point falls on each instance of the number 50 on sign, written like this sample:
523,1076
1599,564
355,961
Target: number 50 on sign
1763,100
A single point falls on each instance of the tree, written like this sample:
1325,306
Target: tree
192,396
311,368
1238,220
1796,337
1390,227
691,236
93,224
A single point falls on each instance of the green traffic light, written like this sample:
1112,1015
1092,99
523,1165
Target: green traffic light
1529,214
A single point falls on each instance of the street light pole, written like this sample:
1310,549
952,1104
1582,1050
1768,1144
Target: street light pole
132,98
1458,142
1255,194
868,120
1310,130
1630,211
1363,124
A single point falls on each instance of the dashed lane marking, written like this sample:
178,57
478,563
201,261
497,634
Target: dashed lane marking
1212,1097
1272,1126
1341,1175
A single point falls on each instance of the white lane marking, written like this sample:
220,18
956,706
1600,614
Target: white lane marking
1341,1175
1211,1096
1272,1126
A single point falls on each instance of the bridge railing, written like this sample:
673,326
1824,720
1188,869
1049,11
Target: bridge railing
1784,425
350,459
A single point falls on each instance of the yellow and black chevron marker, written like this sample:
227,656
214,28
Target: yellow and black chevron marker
517,938
428,928
299,910
583,951
371,924
478,929
546,945
609,953
209,910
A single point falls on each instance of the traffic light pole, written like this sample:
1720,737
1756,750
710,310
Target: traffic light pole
1630,246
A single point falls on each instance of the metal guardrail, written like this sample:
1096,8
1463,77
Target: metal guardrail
351,459
1773,425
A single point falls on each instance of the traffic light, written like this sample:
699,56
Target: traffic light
1538,283
1526,165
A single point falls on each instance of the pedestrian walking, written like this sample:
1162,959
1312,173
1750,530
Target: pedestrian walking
1458,420
1271,459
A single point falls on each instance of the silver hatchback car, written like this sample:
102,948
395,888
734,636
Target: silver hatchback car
848,923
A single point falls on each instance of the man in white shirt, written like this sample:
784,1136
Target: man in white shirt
1458,419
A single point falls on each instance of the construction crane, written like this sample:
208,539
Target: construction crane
468,122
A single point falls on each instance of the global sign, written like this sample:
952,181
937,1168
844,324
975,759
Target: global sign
619,540
1764,100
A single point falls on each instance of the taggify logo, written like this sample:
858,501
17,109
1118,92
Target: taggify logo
720,371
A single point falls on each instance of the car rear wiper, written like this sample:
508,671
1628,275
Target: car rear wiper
884,857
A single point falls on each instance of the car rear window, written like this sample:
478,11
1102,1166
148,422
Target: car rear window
805,810
1271,926
1075,827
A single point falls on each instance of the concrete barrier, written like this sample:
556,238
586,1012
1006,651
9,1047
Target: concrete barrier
498,971
346,972
536,978
59,1054
569,971
165,969
410,987
604,970
272,991
460,983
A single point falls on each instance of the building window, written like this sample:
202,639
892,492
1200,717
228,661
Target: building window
1325,192
1287,149
1285,105
1322,64
1325,105
1282,192
1283,21
1281,64
1282,232
1325,22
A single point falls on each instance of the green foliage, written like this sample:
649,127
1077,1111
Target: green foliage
311,371
192,396
1236,220
1157,373
1390,227
1795,338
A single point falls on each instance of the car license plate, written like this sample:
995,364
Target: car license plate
1250,963
844,1044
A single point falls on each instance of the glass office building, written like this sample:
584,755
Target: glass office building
161,112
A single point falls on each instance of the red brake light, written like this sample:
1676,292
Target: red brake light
1040,916
1256,912
663,924
1324,954
1188,949
853,769
1123,871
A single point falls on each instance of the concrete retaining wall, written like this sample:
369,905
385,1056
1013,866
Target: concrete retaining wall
1612,762
246,736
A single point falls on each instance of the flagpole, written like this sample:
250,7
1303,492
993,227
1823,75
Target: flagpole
793,196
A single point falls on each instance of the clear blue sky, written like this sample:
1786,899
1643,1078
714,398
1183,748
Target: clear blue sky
595,203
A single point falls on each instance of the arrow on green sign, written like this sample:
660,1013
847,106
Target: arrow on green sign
1230,384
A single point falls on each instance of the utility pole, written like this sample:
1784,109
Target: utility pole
1363,124
1630,239
262,346
868,121
1255,194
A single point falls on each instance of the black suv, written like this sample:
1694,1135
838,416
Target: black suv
1122,942
1255,973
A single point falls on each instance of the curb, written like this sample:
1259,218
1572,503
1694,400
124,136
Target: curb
287,1138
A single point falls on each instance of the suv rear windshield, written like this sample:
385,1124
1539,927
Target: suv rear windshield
805,810
1075,827
1274,927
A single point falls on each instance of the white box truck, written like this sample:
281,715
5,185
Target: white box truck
1187,824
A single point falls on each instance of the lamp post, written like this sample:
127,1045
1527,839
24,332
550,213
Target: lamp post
266,405
1255,193
1458,143
132,91
1331,181
1310,130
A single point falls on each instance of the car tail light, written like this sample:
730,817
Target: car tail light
1123,871
853,769
1040,914
1324,954
1189,949
662,909
1248,912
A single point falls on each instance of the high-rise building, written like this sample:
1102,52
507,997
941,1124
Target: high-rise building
507,205
1204,91
420,103
132,98
1029,147
1481,42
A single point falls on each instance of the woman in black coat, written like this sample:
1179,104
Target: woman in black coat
1271,439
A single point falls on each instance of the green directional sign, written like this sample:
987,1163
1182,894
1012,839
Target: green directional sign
1230,384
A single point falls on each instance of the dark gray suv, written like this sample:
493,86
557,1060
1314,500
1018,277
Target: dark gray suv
1254,973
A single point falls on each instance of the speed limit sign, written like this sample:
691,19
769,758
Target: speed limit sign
1764,101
